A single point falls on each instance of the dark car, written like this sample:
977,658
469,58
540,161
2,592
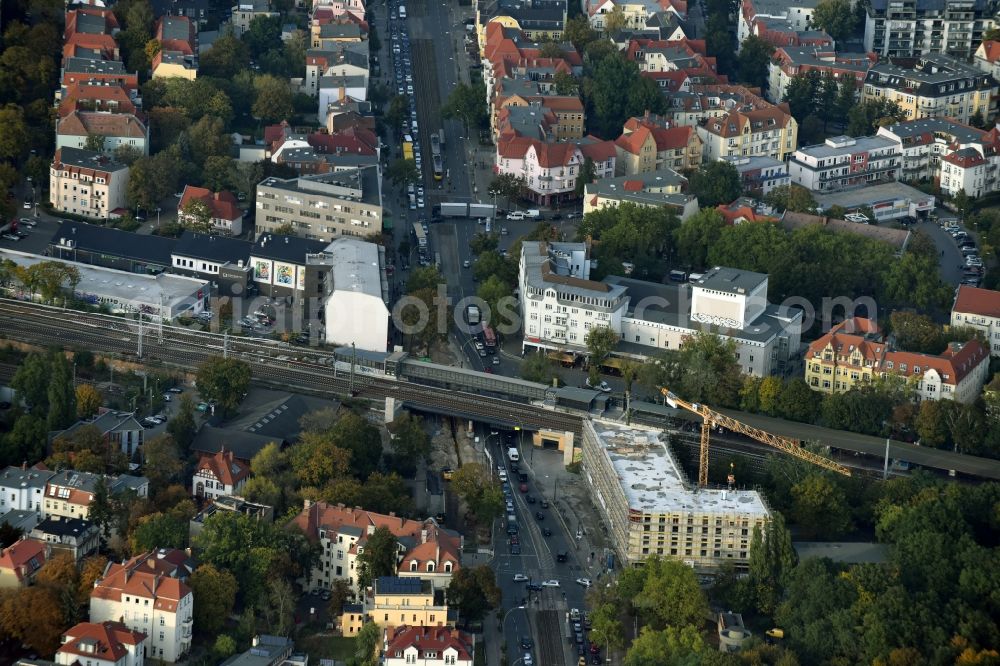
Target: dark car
595,659
578,637
544,504
562,555
522,476
527,643
581,650
539,515
555,216
594,648
515,549
546,532
535,587
530,498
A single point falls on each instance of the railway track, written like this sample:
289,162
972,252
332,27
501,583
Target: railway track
187,349
550,638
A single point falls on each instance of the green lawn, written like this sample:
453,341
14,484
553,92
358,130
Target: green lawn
328,647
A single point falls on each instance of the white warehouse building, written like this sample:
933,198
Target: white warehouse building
356,292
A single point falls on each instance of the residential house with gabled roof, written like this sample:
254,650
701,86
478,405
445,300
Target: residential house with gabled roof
148,593
551,169
987,57
117,129
539,20
635,12
101,644
23,489
979,309
95,96
428,646
396,601
119,429
567,110
178,54
664,188
87,183
20,562
84,67
854,353
787,19
768,130
70,493
225,214
659,59
75,536
219,475
651,143
426,550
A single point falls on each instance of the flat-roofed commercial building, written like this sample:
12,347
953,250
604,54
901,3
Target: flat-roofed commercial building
651,509
323,206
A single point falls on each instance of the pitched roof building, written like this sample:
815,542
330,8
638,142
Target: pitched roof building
148,594
101,644
20,562
651,143
429,646
219,475
426,550
979,309
551,169
854,353
225,214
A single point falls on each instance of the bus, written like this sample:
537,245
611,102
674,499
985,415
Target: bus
489,340
407,150
438,167
418,233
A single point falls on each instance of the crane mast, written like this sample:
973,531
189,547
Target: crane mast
711,418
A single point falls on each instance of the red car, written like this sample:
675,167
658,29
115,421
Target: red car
594,648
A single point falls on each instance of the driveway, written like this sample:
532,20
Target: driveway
952,263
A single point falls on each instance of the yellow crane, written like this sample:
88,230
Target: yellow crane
710,418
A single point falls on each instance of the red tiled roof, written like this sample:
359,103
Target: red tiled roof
597,150
85,123
224,468
222,204
551,155
634,140
109,641
974,300
429,639
991,49
146,575
104,97
23,557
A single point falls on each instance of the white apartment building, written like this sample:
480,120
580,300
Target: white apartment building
797,14
66,494
23,489
651,509
560,305
101,644
323,206
551,169
979,309
427,646
910,28
768,131
147,594
842,162
87,183
426,551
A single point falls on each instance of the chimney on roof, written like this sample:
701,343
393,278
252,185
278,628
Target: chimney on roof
423,536
342,95
306,504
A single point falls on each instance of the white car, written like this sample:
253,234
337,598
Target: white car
527,659
583,581
550,583
520,578
516,215
27,221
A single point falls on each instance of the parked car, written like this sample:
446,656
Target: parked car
583,581
539,515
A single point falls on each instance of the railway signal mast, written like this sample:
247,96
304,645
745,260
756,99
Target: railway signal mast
710,418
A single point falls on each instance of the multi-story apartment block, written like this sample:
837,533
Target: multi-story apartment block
69,493
539,20
653,189
246,11
760,174
87,183
956,156
101,644
84,69
651,509
148,593
787,62
23,489
842,162
854,353
219,475
938,85
768,132
399,601
508,53
337,7
551,169
987,58
343,59
908,28
651,143
427,646
74,536
91,30
979,309
323,206
426,551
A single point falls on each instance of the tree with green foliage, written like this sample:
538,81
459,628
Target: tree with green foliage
716,183
932,423
398,111
227,56
579,32
697,234
916,332
772,558
671,646
182,427
667,595
379,557
639,235
197,216
467,103
600,341
614,91
753,61
61,396
88,401
366,644
865,118
499,298
272,99
793,198
484,242
224,646
509,186
162,461
403,172
474,592
31,381
410,441
539,368
819,507
158,530
836,18
223,381
800,94
480,491
798,402
263,34
566,84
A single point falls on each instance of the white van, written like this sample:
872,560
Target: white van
402,11
533,213
513,455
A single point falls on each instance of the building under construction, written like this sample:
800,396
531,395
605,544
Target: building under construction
651,508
